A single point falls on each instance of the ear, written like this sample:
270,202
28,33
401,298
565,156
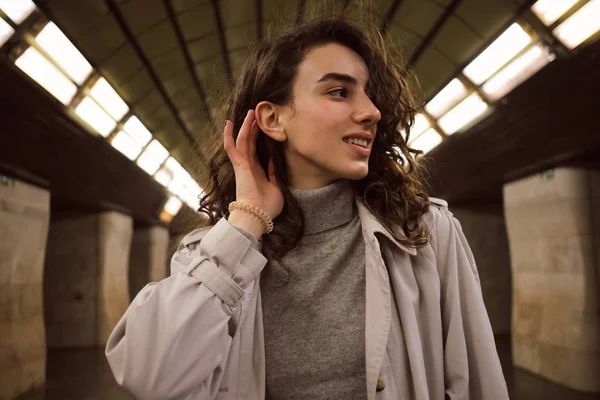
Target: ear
269,119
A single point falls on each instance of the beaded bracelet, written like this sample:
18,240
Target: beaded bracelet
236,205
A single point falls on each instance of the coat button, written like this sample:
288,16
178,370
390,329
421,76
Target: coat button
380,384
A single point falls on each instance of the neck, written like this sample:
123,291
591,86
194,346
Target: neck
326,207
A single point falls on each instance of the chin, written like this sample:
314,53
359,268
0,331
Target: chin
356,175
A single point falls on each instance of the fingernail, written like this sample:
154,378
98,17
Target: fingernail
248,112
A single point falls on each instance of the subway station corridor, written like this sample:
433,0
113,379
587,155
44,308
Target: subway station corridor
112,116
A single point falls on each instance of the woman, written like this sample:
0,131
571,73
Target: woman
362,291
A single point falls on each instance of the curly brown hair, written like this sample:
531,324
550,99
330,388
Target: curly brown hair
392,190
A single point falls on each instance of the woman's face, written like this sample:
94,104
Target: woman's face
330,107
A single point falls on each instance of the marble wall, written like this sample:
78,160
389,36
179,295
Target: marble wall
553,222
148,261
86,277
114,244
24,219
485,230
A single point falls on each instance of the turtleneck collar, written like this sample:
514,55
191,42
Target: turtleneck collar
327,207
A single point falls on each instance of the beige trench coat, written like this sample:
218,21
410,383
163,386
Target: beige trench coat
199,333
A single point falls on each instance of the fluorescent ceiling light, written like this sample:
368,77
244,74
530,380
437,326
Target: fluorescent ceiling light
163,176
580,26
177,187
106,96
551,10
173,165
126,145
517,72
191,195
137,131
89,111
508,45
173,205
171,209
56,44
465,112
447,98
178,171
427,141
421,124
34,64
17,10
152,157
6,31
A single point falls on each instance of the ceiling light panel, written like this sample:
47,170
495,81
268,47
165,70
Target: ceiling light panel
126,145
427,141
517,72
64,53
6,31
495,56
137,131
106,96
549,11
90,112
465,112
34,64
17,10
447,98
580,26
151,159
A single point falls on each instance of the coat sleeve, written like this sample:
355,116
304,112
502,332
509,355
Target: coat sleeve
174,338
472,369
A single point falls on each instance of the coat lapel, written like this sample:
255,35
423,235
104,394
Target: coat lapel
378,307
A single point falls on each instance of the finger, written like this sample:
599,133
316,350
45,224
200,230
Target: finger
272,177
242,139
229,145
254,132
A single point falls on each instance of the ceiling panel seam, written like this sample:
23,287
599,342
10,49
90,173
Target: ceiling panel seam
259,24
116,12
188,60
439,24
222,39
300,11
389,17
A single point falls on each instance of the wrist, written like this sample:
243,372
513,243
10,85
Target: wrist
248,222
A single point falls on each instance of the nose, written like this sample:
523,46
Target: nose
367,113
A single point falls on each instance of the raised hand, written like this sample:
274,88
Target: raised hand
252,185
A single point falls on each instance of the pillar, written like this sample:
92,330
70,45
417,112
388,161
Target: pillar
24,219
485,230
553,222
148,262
86,286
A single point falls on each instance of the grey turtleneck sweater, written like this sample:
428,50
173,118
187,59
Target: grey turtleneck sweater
315,324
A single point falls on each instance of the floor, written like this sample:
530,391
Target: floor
85,375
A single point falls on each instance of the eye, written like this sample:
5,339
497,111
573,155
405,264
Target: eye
341,92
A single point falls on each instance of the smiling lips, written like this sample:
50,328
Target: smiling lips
360,142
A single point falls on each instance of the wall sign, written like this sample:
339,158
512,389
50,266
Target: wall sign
7,181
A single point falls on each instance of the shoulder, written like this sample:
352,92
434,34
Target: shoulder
439,221
438,203
438,211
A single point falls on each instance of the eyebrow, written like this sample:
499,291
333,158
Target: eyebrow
335,76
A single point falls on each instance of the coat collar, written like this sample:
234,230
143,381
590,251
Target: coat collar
371,226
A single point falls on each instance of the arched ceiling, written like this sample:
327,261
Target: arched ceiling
168,59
